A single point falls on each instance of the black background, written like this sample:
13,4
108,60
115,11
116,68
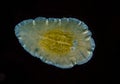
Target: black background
18,66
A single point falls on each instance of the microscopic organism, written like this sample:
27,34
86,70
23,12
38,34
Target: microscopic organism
61,42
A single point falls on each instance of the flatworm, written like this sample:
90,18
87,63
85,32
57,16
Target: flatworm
61,42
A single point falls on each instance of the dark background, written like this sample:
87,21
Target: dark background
18,66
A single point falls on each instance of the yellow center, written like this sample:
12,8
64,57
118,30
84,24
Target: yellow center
57,42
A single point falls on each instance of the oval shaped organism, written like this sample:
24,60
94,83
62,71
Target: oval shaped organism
62,42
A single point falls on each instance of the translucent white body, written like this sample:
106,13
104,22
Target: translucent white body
30,32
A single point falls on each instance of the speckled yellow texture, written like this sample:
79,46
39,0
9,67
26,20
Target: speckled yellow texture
57,42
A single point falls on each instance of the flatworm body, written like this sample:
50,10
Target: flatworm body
62,42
